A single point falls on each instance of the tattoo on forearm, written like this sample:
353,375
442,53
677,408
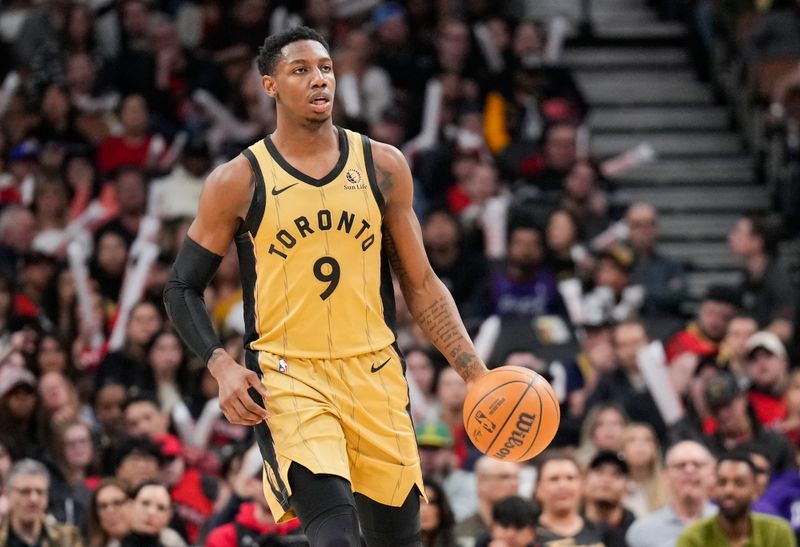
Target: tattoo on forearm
441,323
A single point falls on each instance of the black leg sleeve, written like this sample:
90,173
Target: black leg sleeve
194,268
325,506
385,525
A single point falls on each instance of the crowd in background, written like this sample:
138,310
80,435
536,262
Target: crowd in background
113,112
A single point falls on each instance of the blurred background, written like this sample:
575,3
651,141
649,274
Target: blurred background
609,188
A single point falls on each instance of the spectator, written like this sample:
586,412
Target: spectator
253,522
602,430
438,463
703,336
495,480
178,193
72,465
581,195
17,231
595,359
107,407
372,86
150,516
130,190
37,272
790,426
523,288
782,499
548,171
143,417
462,270
451,391
558,492
134,145
604,492
647,485
663,278
735,523
768,371
51,207
737,426
513,524
732,350
421,370
193,493
26,523
436,517
19,411
614,291
625,384
564,236
133,461
127,366
767,290
690,478
109,514
167,358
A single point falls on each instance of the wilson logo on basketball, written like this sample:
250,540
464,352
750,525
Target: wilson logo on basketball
517,437
353,177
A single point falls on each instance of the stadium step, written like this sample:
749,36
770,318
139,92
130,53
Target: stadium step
689,171
695,226
697,144
699,282
660,118
702,256
649,89
729,199
604,59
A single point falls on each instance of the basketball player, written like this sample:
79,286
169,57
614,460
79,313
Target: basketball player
318,213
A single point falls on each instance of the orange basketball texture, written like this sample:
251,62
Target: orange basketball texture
511,413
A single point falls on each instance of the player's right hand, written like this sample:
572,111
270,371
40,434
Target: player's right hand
235,381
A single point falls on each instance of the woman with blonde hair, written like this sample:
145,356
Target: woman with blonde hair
647,485
602,430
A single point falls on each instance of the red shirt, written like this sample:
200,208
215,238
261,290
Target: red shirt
690,340
769,409
191,503
225,535
114,152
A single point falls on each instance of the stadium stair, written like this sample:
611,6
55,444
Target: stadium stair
636,74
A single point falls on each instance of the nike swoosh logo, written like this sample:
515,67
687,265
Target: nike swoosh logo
377,368
275,190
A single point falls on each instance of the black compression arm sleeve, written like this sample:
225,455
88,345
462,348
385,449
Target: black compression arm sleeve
183,297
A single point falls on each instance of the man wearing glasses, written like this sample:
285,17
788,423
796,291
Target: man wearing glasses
690,477
25,524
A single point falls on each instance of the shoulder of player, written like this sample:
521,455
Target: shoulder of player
391,168
230,183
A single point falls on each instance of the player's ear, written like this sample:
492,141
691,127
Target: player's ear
268,83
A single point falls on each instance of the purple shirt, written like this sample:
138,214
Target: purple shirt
534,297
782,499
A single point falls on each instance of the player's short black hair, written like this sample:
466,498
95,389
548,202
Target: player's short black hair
514,512
269,53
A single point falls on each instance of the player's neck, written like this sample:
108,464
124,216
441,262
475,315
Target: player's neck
303,139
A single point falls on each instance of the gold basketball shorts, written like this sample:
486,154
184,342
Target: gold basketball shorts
347,417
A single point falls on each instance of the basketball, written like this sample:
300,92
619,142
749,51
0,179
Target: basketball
511,413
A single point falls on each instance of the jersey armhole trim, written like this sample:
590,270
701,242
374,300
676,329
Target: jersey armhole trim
373,181
258,203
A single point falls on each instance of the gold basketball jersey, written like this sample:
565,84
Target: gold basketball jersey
315,279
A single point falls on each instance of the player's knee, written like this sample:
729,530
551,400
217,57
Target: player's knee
334,527
386,525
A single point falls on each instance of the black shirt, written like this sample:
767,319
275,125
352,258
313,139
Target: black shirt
16,541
